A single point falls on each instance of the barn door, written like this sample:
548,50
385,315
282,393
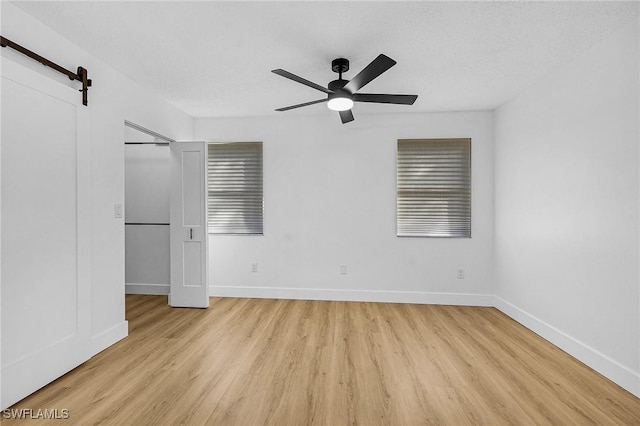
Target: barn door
46,231
189,287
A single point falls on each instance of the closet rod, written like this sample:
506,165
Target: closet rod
81,75
145,224
146,143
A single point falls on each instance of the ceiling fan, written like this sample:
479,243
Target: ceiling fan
341,94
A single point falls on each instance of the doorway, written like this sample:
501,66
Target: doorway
146,213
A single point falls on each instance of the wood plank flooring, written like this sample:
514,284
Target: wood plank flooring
286,362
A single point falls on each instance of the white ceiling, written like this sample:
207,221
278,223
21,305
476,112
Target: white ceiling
213,58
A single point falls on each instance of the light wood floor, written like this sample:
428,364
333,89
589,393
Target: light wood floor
284,362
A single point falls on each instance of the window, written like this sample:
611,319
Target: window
234,184
434,188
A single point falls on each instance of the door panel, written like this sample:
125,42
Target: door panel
192,264
45,231
191,188
188,226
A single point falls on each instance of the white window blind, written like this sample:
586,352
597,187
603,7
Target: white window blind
434,188
234,176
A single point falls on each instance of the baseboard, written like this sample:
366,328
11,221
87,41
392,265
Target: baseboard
154,289
352,295
36,369
604,365
103,340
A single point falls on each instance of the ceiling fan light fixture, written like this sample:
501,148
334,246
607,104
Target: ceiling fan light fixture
343,93
340,103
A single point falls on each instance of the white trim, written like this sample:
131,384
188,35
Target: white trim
604,365
108,337
152,289
39,368
353,295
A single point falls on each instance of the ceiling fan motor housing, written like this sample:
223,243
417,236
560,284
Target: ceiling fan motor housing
337,85
340,65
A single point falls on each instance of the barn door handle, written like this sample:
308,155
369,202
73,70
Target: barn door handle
191,233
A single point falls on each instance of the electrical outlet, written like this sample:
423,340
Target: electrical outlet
343,269
460,274
254,267
118,211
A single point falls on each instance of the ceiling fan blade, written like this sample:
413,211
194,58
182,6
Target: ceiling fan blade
287,74
301,105
346,116
384,98
371,71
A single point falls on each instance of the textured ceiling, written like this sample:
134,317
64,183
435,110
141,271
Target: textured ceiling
214,58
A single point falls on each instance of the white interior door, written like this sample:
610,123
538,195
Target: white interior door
45,222
188,227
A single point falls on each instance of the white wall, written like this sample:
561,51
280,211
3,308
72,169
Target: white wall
566,211
112,99
330,199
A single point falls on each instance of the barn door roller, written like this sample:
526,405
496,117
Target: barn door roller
80,75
